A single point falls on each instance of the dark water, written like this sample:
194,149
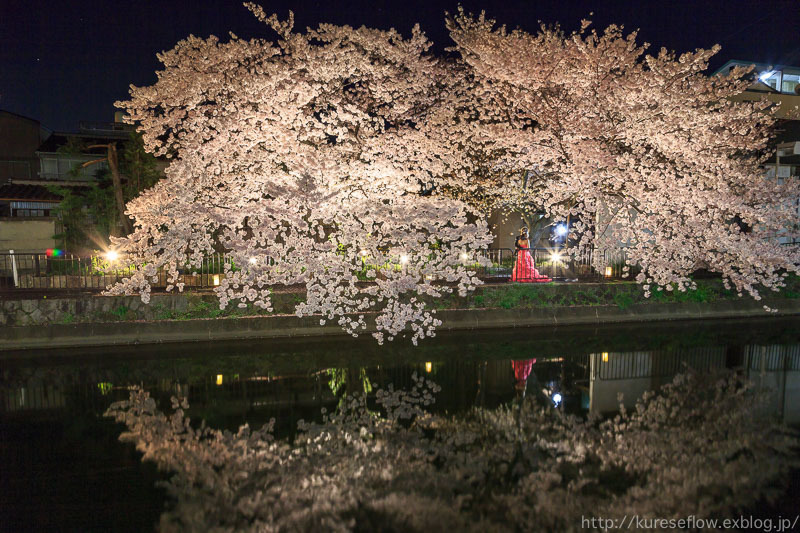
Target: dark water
62,467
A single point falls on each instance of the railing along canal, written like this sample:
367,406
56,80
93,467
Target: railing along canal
29,271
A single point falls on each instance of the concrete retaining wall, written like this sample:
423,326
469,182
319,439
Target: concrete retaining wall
143,332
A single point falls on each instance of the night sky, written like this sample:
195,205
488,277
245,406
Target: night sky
66,61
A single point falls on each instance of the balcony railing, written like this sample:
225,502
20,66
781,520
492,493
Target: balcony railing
109,129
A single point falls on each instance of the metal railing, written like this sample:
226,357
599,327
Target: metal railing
552,263
32,271
45,272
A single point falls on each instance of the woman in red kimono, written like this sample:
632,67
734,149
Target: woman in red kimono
524,270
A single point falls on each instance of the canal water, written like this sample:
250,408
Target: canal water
62,466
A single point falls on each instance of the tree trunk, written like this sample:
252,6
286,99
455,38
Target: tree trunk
113,165
536,225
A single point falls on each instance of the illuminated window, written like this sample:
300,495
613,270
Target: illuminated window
790,83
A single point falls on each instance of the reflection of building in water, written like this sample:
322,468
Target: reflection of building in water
777,367
33,398
634,373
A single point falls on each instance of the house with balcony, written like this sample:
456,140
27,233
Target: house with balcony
32,161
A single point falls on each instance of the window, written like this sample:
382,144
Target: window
790,83
49,168
771,78
70,168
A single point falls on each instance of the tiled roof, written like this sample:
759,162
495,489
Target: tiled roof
27,192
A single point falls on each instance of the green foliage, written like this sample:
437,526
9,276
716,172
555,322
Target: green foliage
139,166
162,313
89,213
343,381
623,300
199,308
122,312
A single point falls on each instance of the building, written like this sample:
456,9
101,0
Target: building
32,161
779,84
20,137
25,221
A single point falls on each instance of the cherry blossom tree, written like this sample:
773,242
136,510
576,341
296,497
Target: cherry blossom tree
640,151
355,164
302,161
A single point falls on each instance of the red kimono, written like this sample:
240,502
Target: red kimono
524,269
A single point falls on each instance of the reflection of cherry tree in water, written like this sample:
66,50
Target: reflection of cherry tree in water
701,446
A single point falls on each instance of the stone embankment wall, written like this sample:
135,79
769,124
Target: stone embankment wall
93,308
